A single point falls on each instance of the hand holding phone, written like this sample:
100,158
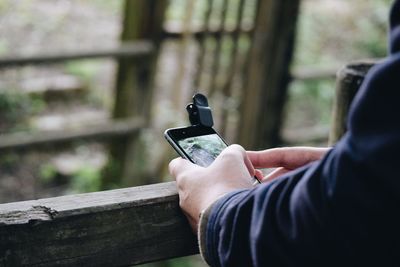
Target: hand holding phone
200,145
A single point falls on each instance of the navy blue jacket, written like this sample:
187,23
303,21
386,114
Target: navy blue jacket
341,211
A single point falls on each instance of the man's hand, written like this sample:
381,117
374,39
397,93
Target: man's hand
284,159
233,169
199,187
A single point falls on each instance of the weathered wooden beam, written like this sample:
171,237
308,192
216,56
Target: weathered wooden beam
26,140
134,92
268,75
128,50
349,80
177,31
216,65
111,228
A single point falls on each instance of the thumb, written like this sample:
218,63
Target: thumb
178,165
235,155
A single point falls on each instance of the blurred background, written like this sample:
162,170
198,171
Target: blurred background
87,87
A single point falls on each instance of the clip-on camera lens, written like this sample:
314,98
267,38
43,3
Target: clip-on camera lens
200,112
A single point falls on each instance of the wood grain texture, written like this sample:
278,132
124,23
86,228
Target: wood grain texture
111,228
349,80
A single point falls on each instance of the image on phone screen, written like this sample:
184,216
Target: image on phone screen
204,149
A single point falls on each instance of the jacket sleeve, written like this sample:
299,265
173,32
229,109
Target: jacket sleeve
341,210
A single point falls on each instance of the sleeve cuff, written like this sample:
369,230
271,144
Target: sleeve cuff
207,229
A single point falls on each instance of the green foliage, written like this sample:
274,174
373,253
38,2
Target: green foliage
310,103
335,32
16,106
109,174
9,160
331,34
85,69
47,173
3,47
86,179
374,29
3,5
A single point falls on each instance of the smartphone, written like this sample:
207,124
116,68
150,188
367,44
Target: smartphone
201,145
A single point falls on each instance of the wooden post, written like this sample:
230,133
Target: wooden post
349,80
267,78
216,66
134,90
232,69
120,227
202,48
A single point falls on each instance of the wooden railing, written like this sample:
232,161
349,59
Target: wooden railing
134,51
110,228
138,49
95,132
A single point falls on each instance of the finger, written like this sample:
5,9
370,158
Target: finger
248,164
259,174
269,158
240,154
287,157
275,174
177,165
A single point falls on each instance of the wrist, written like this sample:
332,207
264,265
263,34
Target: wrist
208,231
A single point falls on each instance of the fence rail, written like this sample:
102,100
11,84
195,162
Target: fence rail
101,131
110,228
129,50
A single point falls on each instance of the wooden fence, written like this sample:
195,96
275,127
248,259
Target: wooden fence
235,76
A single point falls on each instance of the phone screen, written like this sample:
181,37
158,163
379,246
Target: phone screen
200,145
203,149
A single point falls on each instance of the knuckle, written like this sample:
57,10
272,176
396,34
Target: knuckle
181,180
234,151
183,198
237,147
281,156
171,166
228,155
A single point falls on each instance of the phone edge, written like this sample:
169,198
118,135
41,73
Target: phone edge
175,146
